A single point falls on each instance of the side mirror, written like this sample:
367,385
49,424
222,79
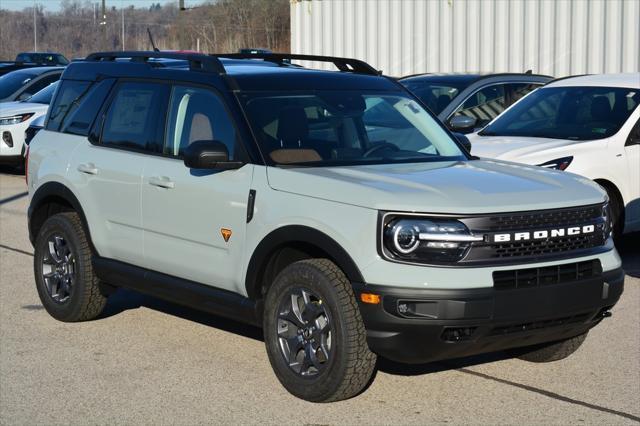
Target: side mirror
464,141
209,155
462,123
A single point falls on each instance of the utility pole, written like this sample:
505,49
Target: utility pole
35,28
122,8
103,22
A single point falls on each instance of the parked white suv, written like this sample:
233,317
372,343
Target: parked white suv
15,119
588,125
330,208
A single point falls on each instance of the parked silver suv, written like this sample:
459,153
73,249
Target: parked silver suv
330,208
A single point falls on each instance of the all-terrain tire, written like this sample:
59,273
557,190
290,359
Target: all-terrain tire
350,364
549,352
85,300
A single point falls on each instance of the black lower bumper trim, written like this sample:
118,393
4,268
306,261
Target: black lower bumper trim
423,325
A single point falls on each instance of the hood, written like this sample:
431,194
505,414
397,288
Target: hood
514,147
12,108
478,186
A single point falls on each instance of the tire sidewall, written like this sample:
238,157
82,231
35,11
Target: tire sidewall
59,224
324,384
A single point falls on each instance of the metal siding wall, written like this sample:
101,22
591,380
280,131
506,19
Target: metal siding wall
401,37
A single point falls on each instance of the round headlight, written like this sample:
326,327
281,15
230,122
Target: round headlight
406,237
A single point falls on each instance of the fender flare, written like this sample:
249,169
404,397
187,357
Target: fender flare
52,191
298,234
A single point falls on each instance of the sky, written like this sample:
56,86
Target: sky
54,5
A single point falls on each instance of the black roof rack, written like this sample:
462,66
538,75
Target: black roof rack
197,61
212,63
343,64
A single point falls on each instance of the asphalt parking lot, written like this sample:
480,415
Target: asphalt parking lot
149,362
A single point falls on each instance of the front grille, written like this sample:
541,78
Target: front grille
545,247
549,275
536,249
537,325
542,219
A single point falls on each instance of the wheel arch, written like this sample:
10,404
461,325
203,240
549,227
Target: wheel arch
289,244
610,186
49,199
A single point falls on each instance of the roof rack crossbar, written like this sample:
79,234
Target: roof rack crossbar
197,62
343,64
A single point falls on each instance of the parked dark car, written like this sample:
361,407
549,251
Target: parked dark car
44,58
467,102
21,84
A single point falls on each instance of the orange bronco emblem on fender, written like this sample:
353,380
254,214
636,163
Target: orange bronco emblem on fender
226,234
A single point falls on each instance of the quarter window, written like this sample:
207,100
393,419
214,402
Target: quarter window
135,116
197,114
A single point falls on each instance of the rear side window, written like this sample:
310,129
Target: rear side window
76,105
135,119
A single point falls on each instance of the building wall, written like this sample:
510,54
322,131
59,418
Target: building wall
401,37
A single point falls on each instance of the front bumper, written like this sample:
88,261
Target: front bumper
444,324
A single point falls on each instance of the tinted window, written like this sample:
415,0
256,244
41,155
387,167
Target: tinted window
327,128
437,96
67,99
11,82
134,119
44,96
41,83
484,105
576,113
516,91
197,114
78,121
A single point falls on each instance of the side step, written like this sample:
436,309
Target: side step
177,290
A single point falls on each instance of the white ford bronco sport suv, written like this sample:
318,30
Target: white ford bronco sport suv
330,208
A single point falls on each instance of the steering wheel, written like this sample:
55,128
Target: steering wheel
380,146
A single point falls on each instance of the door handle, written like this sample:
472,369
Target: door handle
88,168
162,182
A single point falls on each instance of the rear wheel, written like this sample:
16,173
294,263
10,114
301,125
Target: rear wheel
549,352
67,286
314,334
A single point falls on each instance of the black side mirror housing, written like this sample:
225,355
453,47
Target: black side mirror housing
462,124
464,141
207,154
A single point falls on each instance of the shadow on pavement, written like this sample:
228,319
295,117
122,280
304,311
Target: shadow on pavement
123,300
9,170
629,249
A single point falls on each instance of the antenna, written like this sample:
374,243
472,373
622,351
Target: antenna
155,49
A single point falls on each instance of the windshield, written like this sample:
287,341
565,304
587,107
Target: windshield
346,128
12,81
43,96
437,95
575,113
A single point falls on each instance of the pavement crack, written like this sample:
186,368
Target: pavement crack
551,394
16,250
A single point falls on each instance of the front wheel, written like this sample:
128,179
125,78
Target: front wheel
314,333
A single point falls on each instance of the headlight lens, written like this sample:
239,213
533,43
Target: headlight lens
426,240
558,163
15,119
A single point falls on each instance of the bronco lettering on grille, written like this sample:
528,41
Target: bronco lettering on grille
543,234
